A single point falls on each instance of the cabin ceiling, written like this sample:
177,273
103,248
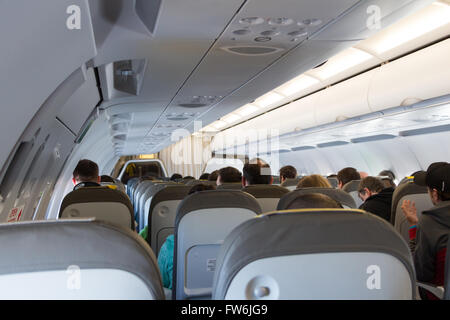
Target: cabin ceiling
165,64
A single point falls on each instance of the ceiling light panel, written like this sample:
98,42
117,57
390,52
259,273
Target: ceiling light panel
297,85
269,99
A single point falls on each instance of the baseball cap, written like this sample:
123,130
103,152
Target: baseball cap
436,177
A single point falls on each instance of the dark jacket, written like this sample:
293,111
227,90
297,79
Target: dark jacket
380,204
429,242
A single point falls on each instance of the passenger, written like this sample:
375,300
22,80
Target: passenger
313,200
346,175
105,178
429,235
229,175
213,175
287,172
313,181
188,178
86,175
176,177
377,199
165,256
204,176
256,173
388,181
363,174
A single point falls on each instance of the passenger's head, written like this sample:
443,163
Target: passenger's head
313,181
388,178
105,178
228,175
176,176
287,172
213,175
201,187
256,173
188,178
363,174
346,175
204,176
312,201
437,180
86,171
368,187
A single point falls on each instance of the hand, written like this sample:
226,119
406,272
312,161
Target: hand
410,211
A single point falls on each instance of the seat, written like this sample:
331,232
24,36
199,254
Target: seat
203,221
230,186
276,180
321,254
290,184
447,273
333,181
162,212
76,259
340,196
352,189
266,195
413,192
140,190
102,203
130,185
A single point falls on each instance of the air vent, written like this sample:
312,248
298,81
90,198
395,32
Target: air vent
192,105
252,50
200,101
129,75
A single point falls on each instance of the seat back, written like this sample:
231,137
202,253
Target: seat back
140,190
340,196
162,212
130,185
447,272
266,195
102,203
76,259
413,192
203,221
323,254
291,184
230,186
352,189
333,181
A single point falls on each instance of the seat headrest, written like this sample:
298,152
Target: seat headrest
340,196
233,186
405,189
351,186
308,231
265,191
291,182
53,245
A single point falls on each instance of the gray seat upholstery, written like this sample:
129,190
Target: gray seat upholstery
203,221
320,254
447,273
195,182
413,192
290,184
352,189
162,212
102,203
130,185
230,186
140,190
266,195
76,259
340,196
333,181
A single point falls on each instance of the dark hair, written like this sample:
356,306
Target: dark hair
387,173
213,175
188,178
348,174
258,173
313,200
204,176
201,187
371,183
443,196
230,175
86,170
176,176
106,178
313,181
288,172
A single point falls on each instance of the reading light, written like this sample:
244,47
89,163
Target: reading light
341,62
268,99
297,85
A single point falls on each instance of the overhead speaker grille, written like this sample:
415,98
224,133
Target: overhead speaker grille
252,50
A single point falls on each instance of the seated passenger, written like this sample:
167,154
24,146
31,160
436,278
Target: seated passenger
86,175
346,175
204,176
313,200
176,177
363,174
388,178
429,235
213,175
287,172
256,173
313,181
105,178
377,199
165,256
228,175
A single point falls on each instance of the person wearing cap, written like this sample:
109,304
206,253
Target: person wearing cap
429,234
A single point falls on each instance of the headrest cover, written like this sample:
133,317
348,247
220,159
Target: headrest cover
265,191
340,196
